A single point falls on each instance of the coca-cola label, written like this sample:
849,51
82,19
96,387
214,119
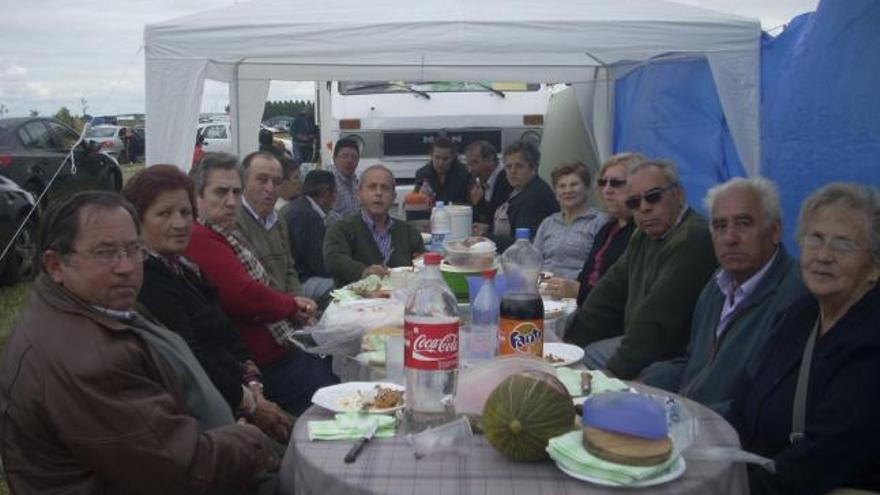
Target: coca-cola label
431,346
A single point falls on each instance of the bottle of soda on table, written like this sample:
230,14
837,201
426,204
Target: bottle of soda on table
521,325
441,225
431,338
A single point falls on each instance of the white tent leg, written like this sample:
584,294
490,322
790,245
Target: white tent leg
173,96
247,101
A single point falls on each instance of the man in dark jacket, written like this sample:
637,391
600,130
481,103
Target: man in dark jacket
306,217
640,311
100,399
740,307
490,188
370,242
448,179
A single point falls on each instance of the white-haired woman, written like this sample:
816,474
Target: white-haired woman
814,402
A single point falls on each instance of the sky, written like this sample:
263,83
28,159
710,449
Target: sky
87,55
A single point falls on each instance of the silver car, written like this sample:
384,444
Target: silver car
109,137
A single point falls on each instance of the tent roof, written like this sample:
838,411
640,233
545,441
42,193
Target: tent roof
251,43
551,40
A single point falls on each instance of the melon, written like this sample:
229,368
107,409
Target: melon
525,411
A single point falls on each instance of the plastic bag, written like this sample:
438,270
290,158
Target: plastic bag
327,341
475,384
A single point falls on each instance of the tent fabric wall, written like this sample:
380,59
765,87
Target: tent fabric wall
820,108
500,40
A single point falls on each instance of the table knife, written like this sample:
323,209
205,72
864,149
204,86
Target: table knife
359,444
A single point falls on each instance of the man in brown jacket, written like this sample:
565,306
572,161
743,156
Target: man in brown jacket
96,398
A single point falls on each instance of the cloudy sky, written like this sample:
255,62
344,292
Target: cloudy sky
56,53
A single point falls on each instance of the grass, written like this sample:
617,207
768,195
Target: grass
13,299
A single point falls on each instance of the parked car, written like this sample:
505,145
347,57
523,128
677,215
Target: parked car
33,148
19,260
111,138
217,136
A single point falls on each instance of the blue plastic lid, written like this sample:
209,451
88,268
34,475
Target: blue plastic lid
522,233
627,413
439,204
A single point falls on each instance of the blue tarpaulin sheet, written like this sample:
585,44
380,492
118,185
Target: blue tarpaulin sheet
820,110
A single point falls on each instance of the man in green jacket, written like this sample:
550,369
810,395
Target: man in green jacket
265,231
370,241
640,311
738,309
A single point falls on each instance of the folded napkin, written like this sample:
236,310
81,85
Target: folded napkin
343,295
351,426
568,450
600,383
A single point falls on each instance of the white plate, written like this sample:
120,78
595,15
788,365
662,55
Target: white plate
571,354
335,396
673,472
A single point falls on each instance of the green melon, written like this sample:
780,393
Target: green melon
524,412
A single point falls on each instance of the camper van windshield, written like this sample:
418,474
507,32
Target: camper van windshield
371,87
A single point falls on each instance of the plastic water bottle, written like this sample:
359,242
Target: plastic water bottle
521,325
431,339
441,225
427,190
479,339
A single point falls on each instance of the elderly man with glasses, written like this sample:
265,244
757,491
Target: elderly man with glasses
640,311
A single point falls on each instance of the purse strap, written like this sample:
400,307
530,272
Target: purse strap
799,411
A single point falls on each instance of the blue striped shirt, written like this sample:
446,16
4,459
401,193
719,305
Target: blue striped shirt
381,235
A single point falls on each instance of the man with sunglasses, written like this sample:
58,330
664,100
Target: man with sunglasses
98,397
640,311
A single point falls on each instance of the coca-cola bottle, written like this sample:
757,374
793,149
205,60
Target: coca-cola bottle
430,361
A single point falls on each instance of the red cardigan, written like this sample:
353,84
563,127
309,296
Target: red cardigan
248,302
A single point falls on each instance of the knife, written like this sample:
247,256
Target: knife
359,444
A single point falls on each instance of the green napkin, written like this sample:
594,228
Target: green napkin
568,450
343,295
600,383
351,426
374,352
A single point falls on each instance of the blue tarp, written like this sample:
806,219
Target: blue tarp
820,110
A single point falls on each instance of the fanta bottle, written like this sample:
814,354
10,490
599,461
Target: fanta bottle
521,323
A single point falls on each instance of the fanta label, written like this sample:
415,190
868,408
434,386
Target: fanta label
521,337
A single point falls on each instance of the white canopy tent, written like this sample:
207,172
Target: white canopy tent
588,42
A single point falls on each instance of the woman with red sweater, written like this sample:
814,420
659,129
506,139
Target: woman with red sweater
262,314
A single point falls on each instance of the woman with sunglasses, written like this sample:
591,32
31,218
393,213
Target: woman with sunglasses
611,239
531,199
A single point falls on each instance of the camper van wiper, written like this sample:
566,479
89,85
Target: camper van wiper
391,84
490,88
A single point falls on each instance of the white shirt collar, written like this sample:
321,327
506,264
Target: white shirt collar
316,207
270,220
726,283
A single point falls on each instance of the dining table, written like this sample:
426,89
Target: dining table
388,466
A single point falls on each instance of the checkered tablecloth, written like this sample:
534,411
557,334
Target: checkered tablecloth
387,466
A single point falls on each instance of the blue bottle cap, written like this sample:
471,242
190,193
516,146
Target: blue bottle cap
522,233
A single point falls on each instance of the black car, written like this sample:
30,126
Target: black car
33,148
15,204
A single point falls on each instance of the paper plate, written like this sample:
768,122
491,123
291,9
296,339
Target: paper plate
673,472
570,354
345,397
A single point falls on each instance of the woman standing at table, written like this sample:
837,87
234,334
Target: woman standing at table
814,403
531,199
565,237
612,238
175,293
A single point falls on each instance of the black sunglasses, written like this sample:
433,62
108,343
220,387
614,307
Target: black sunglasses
652,196
615,183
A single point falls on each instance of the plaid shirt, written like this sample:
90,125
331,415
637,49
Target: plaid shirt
347,202
380,235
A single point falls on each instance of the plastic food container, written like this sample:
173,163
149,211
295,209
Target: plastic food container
472,253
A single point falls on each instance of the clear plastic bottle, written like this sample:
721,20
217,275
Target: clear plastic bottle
479,339
431,338
521,325
441,225
427,190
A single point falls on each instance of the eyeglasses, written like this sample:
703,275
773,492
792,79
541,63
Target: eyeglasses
840,247
615,183
111,256
652,196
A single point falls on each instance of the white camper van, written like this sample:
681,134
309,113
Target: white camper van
395,121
